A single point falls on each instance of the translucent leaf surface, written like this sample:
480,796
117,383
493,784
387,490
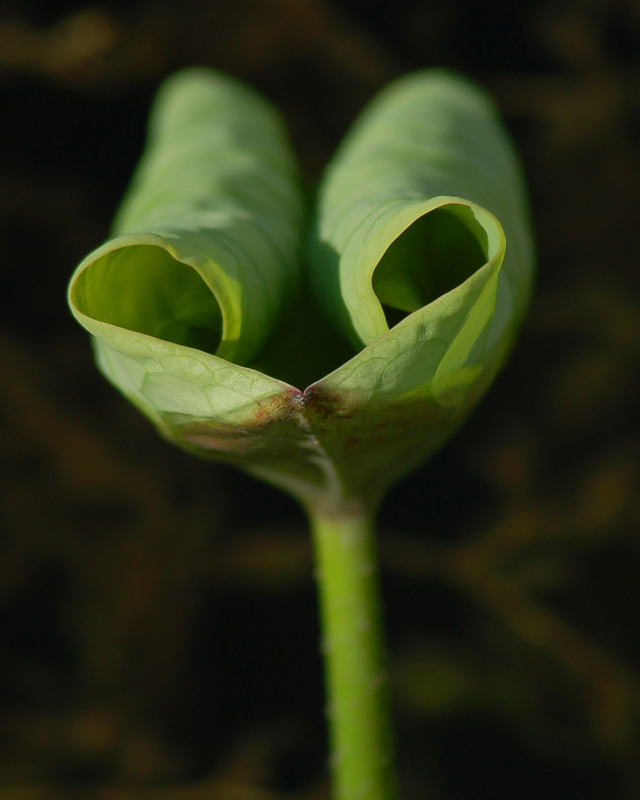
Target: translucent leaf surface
420,254
206,251
402,214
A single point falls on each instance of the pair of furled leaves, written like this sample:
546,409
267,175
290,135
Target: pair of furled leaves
217,300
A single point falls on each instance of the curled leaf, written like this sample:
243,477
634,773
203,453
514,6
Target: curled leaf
420,254
424,192
206,251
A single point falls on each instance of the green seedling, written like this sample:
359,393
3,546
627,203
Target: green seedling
327,353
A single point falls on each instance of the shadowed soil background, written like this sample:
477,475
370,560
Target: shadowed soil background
158,633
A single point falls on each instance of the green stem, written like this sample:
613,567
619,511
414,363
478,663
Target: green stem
358,709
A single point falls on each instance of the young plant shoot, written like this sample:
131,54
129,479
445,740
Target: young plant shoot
327,353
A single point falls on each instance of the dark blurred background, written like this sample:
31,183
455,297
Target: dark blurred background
158,633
